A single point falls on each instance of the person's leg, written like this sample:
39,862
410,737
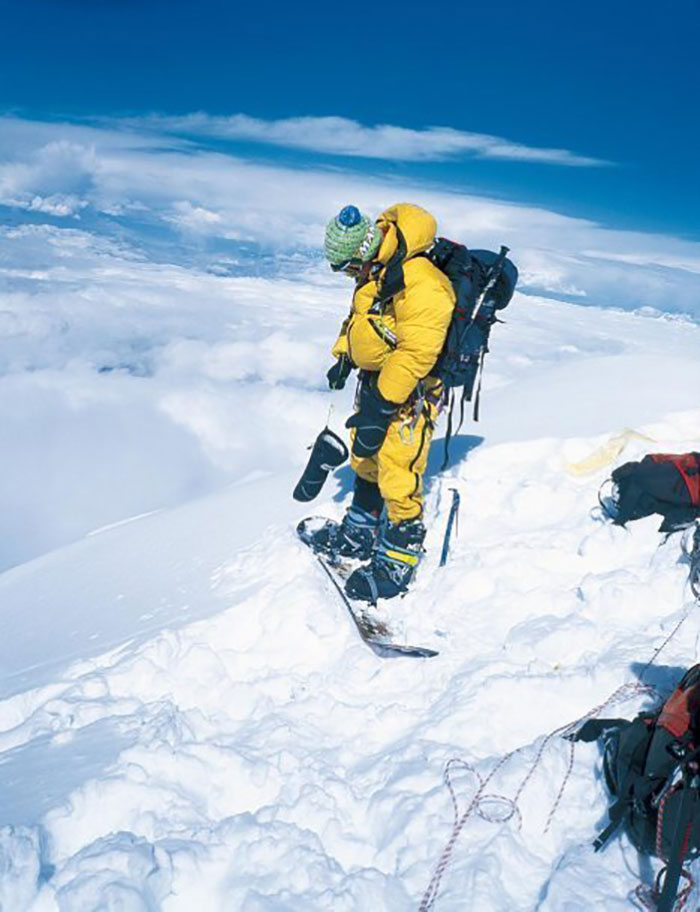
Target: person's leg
401,464
355,536
367,497
360,524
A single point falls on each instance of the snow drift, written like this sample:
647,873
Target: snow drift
189,718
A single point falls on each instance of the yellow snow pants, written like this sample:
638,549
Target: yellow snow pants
399,465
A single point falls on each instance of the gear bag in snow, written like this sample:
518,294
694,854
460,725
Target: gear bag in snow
668,484
651,768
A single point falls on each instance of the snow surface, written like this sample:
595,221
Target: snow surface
188,718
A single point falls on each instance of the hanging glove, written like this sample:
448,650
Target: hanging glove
340,372
371,421
327,453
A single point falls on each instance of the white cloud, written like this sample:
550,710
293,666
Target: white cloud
117,356
212,195
196,219
340,136
53,178
58,204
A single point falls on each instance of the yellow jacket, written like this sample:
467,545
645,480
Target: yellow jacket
402,339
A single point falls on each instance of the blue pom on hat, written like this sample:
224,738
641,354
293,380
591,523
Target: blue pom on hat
349,216
351,235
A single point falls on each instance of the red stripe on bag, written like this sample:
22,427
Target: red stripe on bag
688,466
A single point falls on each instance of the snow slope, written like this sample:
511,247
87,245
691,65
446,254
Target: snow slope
189,720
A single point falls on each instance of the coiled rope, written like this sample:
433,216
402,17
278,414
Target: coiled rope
622,694
481,797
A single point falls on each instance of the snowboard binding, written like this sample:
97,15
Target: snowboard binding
350,540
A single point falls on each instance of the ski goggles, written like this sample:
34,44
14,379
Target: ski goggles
352,266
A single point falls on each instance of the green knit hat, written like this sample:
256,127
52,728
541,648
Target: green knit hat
351,235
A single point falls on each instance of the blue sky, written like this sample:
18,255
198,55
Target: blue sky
616,82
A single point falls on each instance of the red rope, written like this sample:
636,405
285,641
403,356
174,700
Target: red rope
648,897
623,693
431,893
660,825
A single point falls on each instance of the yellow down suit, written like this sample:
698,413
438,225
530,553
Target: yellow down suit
399,339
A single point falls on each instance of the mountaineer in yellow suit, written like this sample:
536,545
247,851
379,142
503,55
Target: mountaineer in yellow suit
401,311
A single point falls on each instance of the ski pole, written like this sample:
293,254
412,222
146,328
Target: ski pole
451,520
493,277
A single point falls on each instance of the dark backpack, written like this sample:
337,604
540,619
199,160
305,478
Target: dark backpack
650,766
667,484
483,282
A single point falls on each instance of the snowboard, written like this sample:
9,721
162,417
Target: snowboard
375,632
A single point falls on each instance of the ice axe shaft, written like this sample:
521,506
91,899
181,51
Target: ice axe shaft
452,520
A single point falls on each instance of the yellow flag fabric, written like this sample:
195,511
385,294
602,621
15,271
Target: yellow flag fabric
607,453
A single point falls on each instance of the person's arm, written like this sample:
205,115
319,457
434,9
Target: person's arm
422,320
343,367
340,346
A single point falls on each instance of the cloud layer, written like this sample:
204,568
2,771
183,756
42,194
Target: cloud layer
165,313
341,136
213,204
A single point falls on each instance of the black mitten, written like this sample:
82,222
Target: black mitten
340,372
371,421
327,453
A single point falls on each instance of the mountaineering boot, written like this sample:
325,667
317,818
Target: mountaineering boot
394,560
354,537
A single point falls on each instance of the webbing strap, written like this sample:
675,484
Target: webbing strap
393,281
616,813
384,333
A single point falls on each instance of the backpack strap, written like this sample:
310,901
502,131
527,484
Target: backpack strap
393,281
629,791
616,813
384,333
